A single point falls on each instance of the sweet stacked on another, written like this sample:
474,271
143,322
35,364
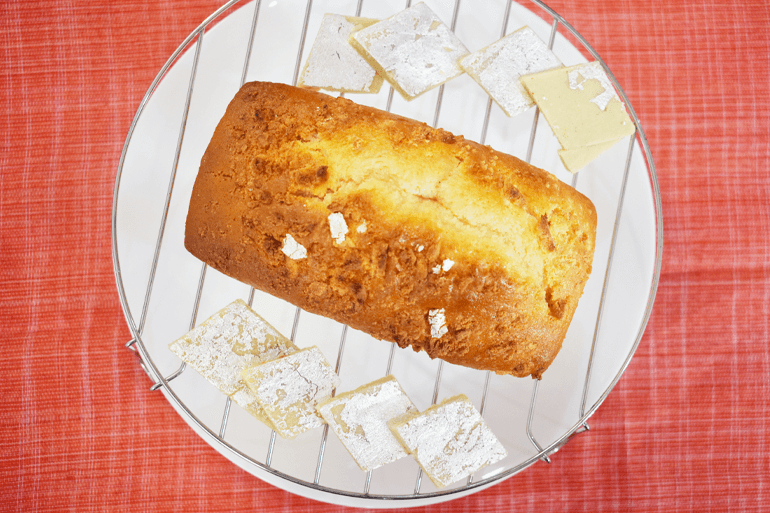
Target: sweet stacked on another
260,369
289,388
360,418
450,440
583,110
231,340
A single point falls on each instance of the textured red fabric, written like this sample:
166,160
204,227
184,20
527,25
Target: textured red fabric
686,428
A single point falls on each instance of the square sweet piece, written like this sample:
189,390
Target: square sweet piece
229,341
333,64
497,68
413,50
360,418
289,388
582,108
450,440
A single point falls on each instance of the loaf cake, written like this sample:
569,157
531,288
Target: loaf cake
408,233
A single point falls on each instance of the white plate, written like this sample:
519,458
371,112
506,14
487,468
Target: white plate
142,188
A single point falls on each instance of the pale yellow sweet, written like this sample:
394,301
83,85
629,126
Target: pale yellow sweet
229,341
576,159
581,107
289,388
360,418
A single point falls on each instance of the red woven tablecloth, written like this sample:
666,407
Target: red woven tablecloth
687,426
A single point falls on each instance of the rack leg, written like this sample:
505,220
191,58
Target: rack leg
224,418
193,320
544,457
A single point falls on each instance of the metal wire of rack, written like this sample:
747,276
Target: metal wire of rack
160,381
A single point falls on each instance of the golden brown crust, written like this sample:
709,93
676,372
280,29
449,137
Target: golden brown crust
282,159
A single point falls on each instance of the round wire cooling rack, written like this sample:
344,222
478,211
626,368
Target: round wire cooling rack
164,291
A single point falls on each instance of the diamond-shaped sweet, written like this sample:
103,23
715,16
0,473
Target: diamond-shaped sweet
333,64
289,388
582,108
497,68
450,440
413,50
360,418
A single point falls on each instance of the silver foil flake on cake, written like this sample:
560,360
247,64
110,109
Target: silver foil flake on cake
293,249
593,71
338,227
437,319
